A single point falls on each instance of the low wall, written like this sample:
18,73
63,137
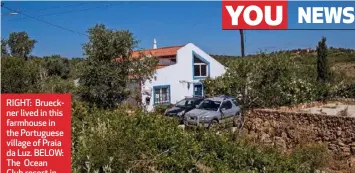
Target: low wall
287,129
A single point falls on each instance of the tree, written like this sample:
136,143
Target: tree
323,69
109,65
19,76
20,44
4,47
76,66
56,65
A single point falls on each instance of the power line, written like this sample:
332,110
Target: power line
70,11
58,26
55,7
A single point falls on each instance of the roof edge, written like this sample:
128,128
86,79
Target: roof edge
167,47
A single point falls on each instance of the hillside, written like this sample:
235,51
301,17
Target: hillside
340,59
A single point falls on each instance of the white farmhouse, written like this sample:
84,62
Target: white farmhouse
179,74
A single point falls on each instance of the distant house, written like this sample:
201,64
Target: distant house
180,73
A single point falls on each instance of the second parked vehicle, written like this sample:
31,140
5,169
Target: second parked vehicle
182,107
215,110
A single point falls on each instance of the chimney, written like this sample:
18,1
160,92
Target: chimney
155,44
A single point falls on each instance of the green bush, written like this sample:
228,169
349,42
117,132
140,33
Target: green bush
343,91
55,84
56,65
310,157
19,75
268,81
160,109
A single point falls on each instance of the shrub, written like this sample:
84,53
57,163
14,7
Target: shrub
137,143
267,81
343,91
19,75
57,66
310,157
160,109
55,84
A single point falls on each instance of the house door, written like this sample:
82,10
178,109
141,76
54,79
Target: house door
198,90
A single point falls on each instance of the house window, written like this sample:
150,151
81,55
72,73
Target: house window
162,94
200,68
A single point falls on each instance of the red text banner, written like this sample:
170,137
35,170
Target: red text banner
35,133
254,15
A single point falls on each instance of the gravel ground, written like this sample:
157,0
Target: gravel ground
333,110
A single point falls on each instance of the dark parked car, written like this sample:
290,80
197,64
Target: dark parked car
183,106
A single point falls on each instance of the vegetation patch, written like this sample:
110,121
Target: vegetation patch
148,142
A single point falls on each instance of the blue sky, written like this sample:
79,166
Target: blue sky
171,23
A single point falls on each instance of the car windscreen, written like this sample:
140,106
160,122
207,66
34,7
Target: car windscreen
209,105
235,102
184,103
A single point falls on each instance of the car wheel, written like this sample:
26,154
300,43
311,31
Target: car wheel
238,121
213,123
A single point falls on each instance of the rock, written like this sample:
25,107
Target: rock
351,162
265,138
253,135
347,140
266,124
290,132
288,129
333,148
280,143
352,148
338,133
284,135
345,151
340,143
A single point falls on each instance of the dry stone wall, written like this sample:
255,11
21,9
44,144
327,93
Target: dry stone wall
288,129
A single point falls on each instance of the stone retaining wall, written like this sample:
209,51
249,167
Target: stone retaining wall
287,129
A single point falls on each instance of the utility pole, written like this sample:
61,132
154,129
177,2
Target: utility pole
241,32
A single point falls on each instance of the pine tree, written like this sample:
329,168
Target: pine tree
323,69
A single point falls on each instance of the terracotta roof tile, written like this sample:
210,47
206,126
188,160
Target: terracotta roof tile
160,52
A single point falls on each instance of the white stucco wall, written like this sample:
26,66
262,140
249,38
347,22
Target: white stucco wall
181,71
